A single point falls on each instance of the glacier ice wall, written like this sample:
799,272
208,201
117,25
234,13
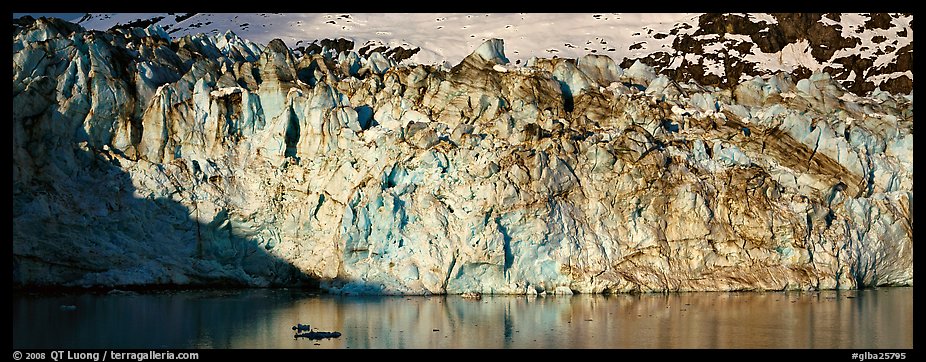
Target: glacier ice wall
144,160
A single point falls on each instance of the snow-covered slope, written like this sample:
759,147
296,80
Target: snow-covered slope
441,37
144,160
862,51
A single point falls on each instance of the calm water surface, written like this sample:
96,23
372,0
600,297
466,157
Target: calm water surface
877,318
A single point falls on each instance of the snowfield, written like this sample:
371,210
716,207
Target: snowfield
448,38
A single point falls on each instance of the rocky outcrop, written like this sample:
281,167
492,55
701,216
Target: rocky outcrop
140,159
862,52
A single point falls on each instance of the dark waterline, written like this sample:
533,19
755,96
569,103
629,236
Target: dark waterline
262,318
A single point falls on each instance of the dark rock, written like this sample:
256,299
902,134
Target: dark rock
399,54
183,17
902,85
141,23
337,45
879,21
824,41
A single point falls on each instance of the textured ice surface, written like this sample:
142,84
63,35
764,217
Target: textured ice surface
211,160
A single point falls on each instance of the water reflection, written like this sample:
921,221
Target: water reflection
880,318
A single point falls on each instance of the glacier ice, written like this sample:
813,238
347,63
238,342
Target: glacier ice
145,160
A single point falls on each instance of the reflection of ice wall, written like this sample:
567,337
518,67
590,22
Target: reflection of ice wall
210,159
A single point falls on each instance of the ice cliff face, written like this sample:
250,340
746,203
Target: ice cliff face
138,159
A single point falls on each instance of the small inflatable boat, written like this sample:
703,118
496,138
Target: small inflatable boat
318,335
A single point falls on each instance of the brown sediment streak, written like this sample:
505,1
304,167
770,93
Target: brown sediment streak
791,153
